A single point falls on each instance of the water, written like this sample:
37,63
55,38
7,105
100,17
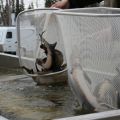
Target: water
21,99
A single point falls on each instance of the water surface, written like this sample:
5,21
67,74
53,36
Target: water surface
21,99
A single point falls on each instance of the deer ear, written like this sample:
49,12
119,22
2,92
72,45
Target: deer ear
54,44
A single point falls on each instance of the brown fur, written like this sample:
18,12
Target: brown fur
54,56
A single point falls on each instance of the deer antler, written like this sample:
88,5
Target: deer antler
41,38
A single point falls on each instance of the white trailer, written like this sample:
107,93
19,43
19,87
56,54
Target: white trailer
8,38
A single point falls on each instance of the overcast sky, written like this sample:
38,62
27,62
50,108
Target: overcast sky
40,3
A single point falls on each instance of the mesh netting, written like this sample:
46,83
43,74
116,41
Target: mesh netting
30,25
92,44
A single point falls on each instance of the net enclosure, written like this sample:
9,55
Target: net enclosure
92,44
40,49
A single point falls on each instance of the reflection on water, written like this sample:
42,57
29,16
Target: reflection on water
21,99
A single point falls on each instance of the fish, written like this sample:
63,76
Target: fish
54,58
104,97
107,95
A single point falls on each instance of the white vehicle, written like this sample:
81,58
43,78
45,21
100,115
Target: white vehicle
8,38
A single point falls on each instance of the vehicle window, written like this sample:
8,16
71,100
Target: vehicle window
9,35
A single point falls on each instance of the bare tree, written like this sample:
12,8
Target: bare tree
19,7
13,6
5,13
31,6
2,11
9,10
